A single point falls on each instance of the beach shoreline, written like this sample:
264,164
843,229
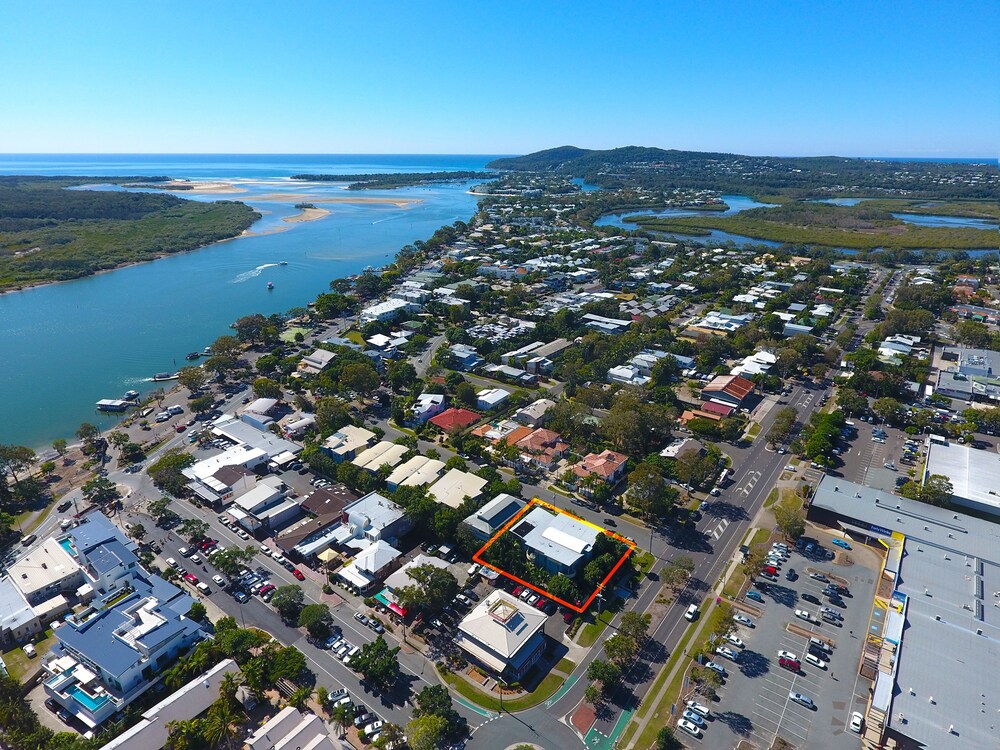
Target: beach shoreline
307,214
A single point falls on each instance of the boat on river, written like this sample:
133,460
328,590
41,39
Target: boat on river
282,262
161,376
270,285
193,355
130,396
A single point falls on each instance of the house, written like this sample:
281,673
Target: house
534,413
46,572
627,375
608,466
682,445
291,729
542,448
193,699
298,427
344,444
718,322
426,406
758,363
18,619
605,325
465,357
326,508
454,487
370,566
417,472
489,519
556,542
503,635
381,454
110,653
364,522
730,390
401,578
451,419
690,414
491,398
315,362
388,310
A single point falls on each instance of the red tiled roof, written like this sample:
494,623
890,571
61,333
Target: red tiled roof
451,418
714,408
734,385
688,415
602,464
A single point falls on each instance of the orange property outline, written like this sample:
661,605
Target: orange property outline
569,605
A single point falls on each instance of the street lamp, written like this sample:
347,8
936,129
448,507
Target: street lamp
502,686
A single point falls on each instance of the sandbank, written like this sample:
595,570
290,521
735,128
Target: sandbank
307,214
191,186
360,199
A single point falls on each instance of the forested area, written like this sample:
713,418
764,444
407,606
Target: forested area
390,181
51,233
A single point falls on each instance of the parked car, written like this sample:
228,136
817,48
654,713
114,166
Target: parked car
298,574
857,720
782,654
801,699
743,620
735,641
241,596
812,598
728,653
815,660
755,596
694,717
841,543
803,615
818,576
790,664
716,667
689,727
790,574
361,618
698,708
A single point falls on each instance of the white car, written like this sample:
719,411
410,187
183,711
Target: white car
815,660
735,641
172,562
265,550
743,620
185,552
727,652
196,559
218,580
688,727
698,708
856,721
715,667
787,655
803,700
803,615
374,727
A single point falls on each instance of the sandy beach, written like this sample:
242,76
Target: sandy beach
307,214
190,186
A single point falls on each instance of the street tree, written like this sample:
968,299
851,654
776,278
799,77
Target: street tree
605,672
266,388
192,378
360,378
378,665
100,491
15,459
426,732
118,439
288,600
593,694
193,528
390,736
937,490
791,519
201,404
635,625
432,588
59,446
227,346
316,619
88,433
648,492
621,649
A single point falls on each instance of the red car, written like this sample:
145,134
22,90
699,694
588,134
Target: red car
298,574
790,664
190,578
517,590
540,604
264,589
770,569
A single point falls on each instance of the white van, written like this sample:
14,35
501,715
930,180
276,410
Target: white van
203,588
692,613
175,409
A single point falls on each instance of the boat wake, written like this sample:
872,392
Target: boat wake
247,275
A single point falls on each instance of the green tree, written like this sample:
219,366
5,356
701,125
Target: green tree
331,415
605,672
432,588
341,717
138,531
635,625
201,404
593,694
790,518
621,649
198,613
360,378
377,664
465,393
220,724
562,586
117,438
390,736
648,492
14,459
193,529
88,433
59,446
316,619
166,471
937,490
665,740
100,491
426,732
851,402
266,388
227,346
192,378
288,600
887,409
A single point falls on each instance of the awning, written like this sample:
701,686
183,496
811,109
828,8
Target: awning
355,577
327,555
381,596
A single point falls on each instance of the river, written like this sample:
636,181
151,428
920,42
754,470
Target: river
67,345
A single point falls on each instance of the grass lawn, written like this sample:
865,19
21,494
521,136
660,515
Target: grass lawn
754,430
545,690
592,630
566,666
356,337
289,335
19,665
643,564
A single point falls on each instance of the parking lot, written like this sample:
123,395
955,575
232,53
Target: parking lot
879,455
755,704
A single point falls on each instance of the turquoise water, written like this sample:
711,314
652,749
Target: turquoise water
933,220
92,704
67,545
67,345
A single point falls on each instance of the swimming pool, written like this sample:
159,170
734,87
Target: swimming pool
67,545
87,701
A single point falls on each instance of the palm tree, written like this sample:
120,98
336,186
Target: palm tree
299,697
219,726
341,718
255,675
231,682
176,676
183,735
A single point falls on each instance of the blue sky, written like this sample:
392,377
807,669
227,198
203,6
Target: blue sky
849,78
